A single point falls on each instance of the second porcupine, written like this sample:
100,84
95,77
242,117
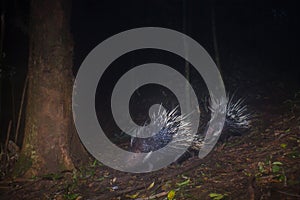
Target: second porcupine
238,120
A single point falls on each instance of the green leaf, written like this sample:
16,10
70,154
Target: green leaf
287,130
216,196
71,196
94,163
277,163
281,177
134,196
171,195
183,183
283,145
275,168
261,167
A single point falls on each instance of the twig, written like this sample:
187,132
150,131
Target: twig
22,187
214,33
2,31
251,190
284,135
13,99
186,56
154,196
21,109
7,136
289,194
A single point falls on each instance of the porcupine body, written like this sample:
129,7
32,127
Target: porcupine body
237,122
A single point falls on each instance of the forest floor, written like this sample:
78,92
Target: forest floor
264,164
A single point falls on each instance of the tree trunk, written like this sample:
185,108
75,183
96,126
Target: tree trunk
49,128
214,33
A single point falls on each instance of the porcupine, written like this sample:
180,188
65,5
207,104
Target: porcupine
237,121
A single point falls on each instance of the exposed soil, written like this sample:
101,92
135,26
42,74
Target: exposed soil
263,164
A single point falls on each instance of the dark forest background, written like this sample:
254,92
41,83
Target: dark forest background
258,41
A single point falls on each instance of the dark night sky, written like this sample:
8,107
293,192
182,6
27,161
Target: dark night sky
258,40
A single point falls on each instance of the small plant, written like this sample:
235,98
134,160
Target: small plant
272,168
71,196
276,167
278,170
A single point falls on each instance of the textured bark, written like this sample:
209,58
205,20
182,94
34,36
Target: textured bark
49,129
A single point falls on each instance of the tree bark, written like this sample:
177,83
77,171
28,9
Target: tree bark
49,129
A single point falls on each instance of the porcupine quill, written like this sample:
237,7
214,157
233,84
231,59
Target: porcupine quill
237,122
